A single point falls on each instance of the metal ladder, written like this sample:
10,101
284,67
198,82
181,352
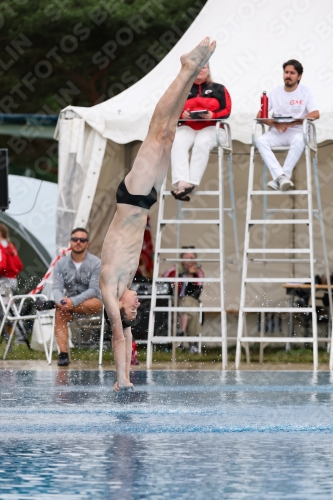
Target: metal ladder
282,255
160,254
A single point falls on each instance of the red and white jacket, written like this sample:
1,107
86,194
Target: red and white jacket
211,96
192,289
10,263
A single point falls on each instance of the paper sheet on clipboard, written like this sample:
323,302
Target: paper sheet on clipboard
283,119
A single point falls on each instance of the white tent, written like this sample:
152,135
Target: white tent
98,144
33,206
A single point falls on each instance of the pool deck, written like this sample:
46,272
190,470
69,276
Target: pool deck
92,365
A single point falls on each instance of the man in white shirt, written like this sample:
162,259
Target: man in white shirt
291,100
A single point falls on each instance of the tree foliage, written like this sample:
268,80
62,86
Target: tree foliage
60,52
66,51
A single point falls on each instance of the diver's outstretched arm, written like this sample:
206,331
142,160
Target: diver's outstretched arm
119,342
128,343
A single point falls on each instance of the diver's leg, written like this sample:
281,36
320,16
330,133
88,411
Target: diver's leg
152,161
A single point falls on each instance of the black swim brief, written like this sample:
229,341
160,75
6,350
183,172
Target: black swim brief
137,200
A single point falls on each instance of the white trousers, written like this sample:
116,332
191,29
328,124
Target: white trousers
202,142
292,138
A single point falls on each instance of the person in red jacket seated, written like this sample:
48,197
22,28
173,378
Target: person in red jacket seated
10,263
215,100
189,293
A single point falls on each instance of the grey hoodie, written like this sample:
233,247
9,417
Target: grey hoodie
79,285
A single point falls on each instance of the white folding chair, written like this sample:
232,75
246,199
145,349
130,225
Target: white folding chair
13,313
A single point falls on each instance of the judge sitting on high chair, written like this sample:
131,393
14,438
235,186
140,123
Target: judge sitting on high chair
214,101
291,100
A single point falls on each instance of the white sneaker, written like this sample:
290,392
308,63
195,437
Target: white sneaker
273,185
285,183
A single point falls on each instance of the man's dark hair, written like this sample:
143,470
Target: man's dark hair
296,64
77,229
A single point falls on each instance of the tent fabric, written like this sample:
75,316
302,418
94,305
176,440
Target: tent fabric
33,204
253,41
86,190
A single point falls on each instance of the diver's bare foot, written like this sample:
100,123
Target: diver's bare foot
199,56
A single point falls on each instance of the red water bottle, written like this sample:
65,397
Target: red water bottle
264,105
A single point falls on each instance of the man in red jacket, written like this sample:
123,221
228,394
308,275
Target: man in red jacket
215,102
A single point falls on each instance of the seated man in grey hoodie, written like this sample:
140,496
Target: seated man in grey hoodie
75,288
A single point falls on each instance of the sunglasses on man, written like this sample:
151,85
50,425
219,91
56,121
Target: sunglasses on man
82,240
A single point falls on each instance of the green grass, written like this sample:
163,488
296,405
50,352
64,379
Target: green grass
271,355
280,355
208,355
21,352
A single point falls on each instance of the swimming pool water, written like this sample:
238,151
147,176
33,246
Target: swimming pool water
180,435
